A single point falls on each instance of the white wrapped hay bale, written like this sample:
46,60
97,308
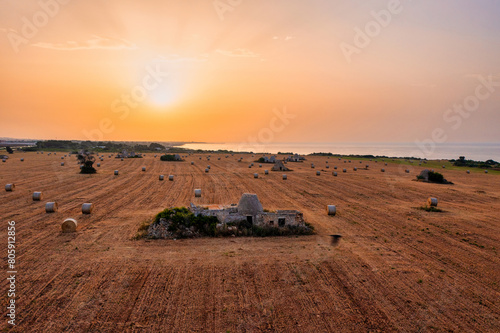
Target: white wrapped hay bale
10,187
37,196
192,163
116,172
318,173
171,177
407,171
331,210
161,177
69,225
382,170
468,171
51,207
432,202
355,169
266,172
62,164
206,170
87,208
335,174
143,168
344,170
284,177
98,165
255,175
22,159
197,193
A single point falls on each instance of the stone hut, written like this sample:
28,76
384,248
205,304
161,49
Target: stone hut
250,209
279,166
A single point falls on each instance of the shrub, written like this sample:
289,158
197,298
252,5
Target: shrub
87,159
167,157
436,177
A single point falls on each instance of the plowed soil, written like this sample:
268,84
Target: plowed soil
396,269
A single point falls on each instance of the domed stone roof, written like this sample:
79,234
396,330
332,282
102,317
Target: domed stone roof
249,204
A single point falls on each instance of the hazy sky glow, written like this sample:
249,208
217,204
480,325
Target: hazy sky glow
190,71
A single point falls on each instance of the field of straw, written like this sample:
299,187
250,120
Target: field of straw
396,268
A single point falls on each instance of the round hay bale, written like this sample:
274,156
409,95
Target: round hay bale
318,173
22,159
143,168
284,177
197,193
312,165
122,159
37,196
116,172
255,175
98,165
468,171
331,210
355,169
485,171
328,167
69,225
385,164
444,166
10,187
192,163
260,165
249,166
161,177
407,171
432,202
62,164
335,168
344,170
4,160
266,172
208,166
87,208
51,207
382,170
335,174
62,157
171,177
206,170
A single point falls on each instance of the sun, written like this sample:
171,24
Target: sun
162,96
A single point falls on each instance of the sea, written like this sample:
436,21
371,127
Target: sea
428,150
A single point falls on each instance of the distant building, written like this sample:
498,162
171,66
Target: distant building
279,166
295,158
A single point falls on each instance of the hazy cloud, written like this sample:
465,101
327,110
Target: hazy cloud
94,43
177,58
238,53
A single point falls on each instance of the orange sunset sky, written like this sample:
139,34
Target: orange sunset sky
345,71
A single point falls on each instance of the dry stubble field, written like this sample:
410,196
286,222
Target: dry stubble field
397,268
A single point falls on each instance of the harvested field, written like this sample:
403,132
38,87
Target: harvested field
396,269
